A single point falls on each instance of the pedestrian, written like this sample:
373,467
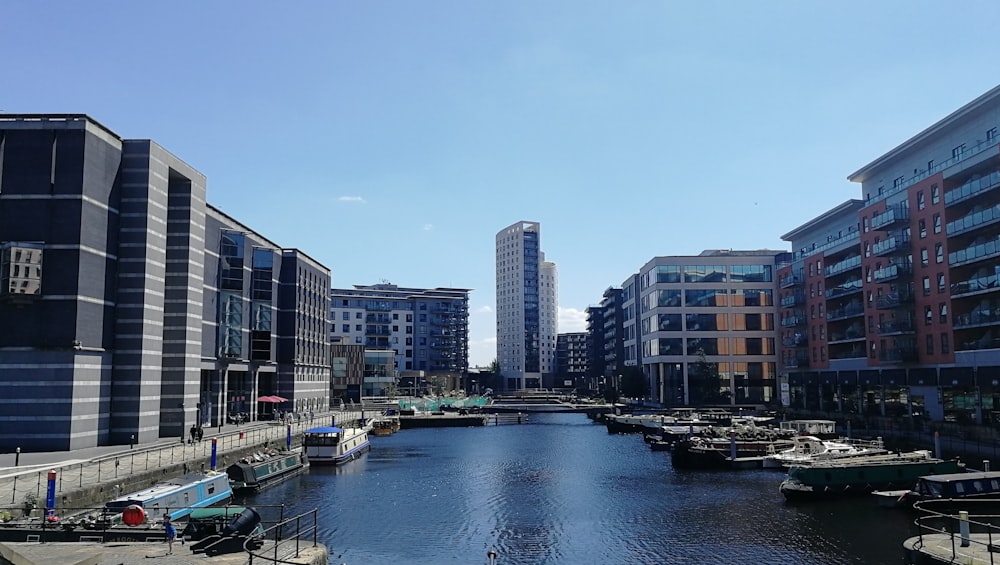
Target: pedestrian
194,431
170,532
201,433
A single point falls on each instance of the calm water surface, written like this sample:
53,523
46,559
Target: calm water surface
560,489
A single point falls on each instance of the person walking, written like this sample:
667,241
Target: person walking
170,532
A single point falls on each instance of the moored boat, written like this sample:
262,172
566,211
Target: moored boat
177,497
810,449
950,490
330,445
385,424
714,448
263,469
863,475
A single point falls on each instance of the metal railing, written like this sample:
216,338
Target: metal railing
279,548
964,532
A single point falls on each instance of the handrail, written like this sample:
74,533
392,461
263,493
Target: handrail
949,524
280,544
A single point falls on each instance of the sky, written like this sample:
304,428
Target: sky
391,141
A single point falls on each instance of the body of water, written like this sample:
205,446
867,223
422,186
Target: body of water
560,489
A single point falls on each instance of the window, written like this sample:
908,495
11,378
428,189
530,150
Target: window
345,316
921,204
941,285
930,344
956,153
935,194
937,223
924,260
930,166
928,315
357,315
922,225
927,286
345,328
943,312
945,348
991,134
898,181
939,253
358,328
864,224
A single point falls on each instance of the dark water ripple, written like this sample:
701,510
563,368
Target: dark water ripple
562,490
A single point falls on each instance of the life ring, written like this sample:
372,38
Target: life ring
133,515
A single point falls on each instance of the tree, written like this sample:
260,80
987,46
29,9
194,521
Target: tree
705,381
634,383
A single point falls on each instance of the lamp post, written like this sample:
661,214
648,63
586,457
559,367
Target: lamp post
17,456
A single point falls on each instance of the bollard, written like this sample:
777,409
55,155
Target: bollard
963,527
937,445
986,465
732,445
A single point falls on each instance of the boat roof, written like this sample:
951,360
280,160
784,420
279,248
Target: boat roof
325,430
967,476
167,486
207,513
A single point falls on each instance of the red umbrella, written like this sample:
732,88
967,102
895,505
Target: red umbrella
269,399
279,399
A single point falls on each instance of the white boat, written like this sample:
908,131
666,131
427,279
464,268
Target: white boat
330,445
809,449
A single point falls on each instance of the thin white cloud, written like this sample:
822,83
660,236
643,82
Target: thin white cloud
484,310
351,199
572,320
428,227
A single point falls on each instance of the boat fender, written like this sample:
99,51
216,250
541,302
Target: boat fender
133,515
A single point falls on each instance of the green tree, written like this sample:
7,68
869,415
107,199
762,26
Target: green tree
705,377
634,383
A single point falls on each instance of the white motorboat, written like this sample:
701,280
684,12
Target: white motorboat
331,445
809,449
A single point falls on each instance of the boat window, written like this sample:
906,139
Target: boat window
978,486
994,484
959,488
934,489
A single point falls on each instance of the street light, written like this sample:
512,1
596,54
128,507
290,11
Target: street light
17,456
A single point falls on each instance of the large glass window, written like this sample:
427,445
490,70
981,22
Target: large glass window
231,261
753,322
668,346
668,274
706,345
753,297
706,322
750,273
669,322
704,273
707,297
668,298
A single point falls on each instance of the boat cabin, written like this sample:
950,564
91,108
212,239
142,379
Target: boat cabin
177,497
822,429
956,485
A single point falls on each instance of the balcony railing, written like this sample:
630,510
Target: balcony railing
896,327
842,266
793,299
848,287
973,221
974,253
977,284
833,243
978,317
891,272
904,354
972,188
967,154
790,281
891,245
849,311
889,217
894,300
793,321
800,340
852,334
798,361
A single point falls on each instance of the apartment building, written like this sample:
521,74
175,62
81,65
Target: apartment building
526,308
571,360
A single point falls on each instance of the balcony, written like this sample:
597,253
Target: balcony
843,266
966,154
896,327
849,353
901,354
793,299
798,361
798,340
894,300
790,281
892,272
972,188
974,253
852,310
843,289
892,245
976,285
829,245
853,333
793,321
986,341
973,221
978,317
894,215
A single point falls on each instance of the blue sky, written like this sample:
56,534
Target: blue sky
392,140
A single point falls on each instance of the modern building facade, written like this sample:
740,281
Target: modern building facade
571,360
912,303
120,318
427,328
707,327
526,307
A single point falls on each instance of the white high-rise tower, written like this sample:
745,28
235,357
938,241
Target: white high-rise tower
526,309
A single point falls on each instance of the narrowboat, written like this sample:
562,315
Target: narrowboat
863,475
177,497
331,445
951,489
263,469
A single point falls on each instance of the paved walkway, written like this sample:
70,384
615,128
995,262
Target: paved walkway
86,553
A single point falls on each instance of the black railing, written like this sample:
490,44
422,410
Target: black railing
281,547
